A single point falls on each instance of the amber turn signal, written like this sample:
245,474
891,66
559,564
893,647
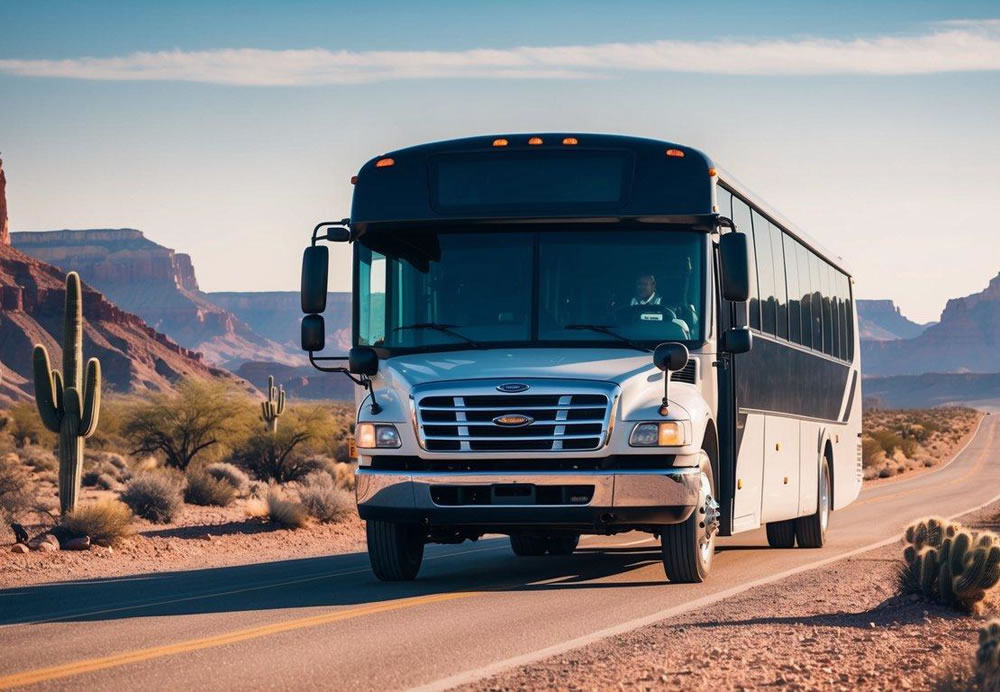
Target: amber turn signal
382,163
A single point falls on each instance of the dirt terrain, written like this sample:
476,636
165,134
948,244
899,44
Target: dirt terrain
201,537
836,628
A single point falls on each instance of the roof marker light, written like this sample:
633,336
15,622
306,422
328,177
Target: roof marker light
570,140
675,152
535,141
382,163
354,180
499,142
712,173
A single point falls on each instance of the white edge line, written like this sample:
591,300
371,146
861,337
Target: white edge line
471,676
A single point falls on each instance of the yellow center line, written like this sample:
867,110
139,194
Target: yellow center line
38,675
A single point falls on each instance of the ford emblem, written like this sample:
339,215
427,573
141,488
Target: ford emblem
512,387
513,420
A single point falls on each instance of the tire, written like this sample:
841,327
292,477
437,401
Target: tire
563,544
528,545
811,530
687,548
394,550
781,534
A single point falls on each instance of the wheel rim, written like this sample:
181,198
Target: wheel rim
824,500
708,526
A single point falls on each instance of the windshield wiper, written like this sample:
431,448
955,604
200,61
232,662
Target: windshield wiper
443,328
606,329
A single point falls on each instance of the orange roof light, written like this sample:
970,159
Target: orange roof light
500,142
354,180
382,163
712,172
535,141
675,152
570,140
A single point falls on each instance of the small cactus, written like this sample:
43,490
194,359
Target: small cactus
927,532
988,656
274,406
68,403
969,567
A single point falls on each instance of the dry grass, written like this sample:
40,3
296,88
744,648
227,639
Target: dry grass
154,496
105,521
205,489
286,513
323,498
896,441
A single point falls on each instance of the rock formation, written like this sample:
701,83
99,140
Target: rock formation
966,340
276,315
159,285
881,320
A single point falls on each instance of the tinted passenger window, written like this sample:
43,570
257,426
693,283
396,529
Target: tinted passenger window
805,293
741,217
794,293
780,297
816,286
765,271
829,325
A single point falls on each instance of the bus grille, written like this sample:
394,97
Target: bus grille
552,422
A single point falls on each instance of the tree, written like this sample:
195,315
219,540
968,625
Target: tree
183,425
278,455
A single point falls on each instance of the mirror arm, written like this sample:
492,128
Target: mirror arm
343,223
665,403
725,222
362,381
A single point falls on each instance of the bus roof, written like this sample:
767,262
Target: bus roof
397,185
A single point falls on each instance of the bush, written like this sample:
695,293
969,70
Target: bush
323,499
88,479
39,458
153,496
204,489
286,513
17,488
274,456
106,481
871,451
231,474
48,477
25,427
105,520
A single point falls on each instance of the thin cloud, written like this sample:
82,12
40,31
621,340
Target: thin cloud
952,46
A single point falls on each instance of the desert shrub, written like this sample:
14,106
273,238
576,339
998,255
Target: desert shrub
47,477
205,489
323,499
88,479
25,427
154,496
106,481
871,451
39,458
286,513
344,475
275,456
231,474
886,472
17,488
105,520
190,424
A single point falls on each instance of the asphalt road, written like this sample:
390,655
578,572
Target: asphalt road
326,622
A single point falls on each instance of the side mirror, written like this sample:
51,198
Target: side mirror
338,234
670,357
362,360
313,333
315,278
736,340
735,257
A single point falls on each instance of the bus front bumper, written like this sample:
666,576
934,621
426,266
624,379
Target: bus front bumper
585,500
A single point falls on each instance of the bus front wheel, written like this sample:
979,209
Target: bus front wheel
394,550
687,548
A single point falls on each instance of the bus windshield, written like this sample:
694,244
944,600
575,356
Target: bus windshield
425,289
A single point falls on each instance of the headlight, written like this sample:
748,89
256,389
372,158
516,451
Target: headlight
664,434
371,436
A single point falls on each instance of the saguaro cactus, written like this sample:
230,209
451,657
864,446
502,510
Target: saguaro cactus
67,403
274,406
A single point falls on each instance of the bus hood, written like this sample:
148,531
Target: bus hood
633,371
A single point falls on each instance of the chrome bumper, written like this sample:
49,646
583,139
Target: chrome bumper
639,498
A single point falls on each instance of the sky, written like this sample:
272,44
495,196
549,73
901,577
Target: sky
228,129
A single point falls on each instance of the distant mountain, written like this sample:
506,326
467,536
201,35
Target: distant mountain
932,389
966,340
159,285
303,382
881,320
276,315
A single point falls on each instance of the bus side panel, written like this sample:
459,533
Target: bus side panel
780,493
749,473
809,456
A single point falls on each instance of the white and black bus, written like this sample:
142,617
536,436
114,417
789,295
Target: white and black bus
558,334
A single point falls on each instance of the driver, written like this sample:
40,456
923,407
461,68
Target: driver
645,291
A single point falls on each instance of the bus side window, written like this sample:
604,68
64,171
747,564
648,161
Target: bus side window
829,328
780,294
845,288
794,293
816,285
741,217
805,292
765,271
371,302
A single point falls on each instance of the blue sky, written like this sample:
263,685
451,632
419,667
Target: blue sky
227,129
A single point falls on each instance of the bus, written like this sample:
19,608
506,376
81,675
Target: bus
559,334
